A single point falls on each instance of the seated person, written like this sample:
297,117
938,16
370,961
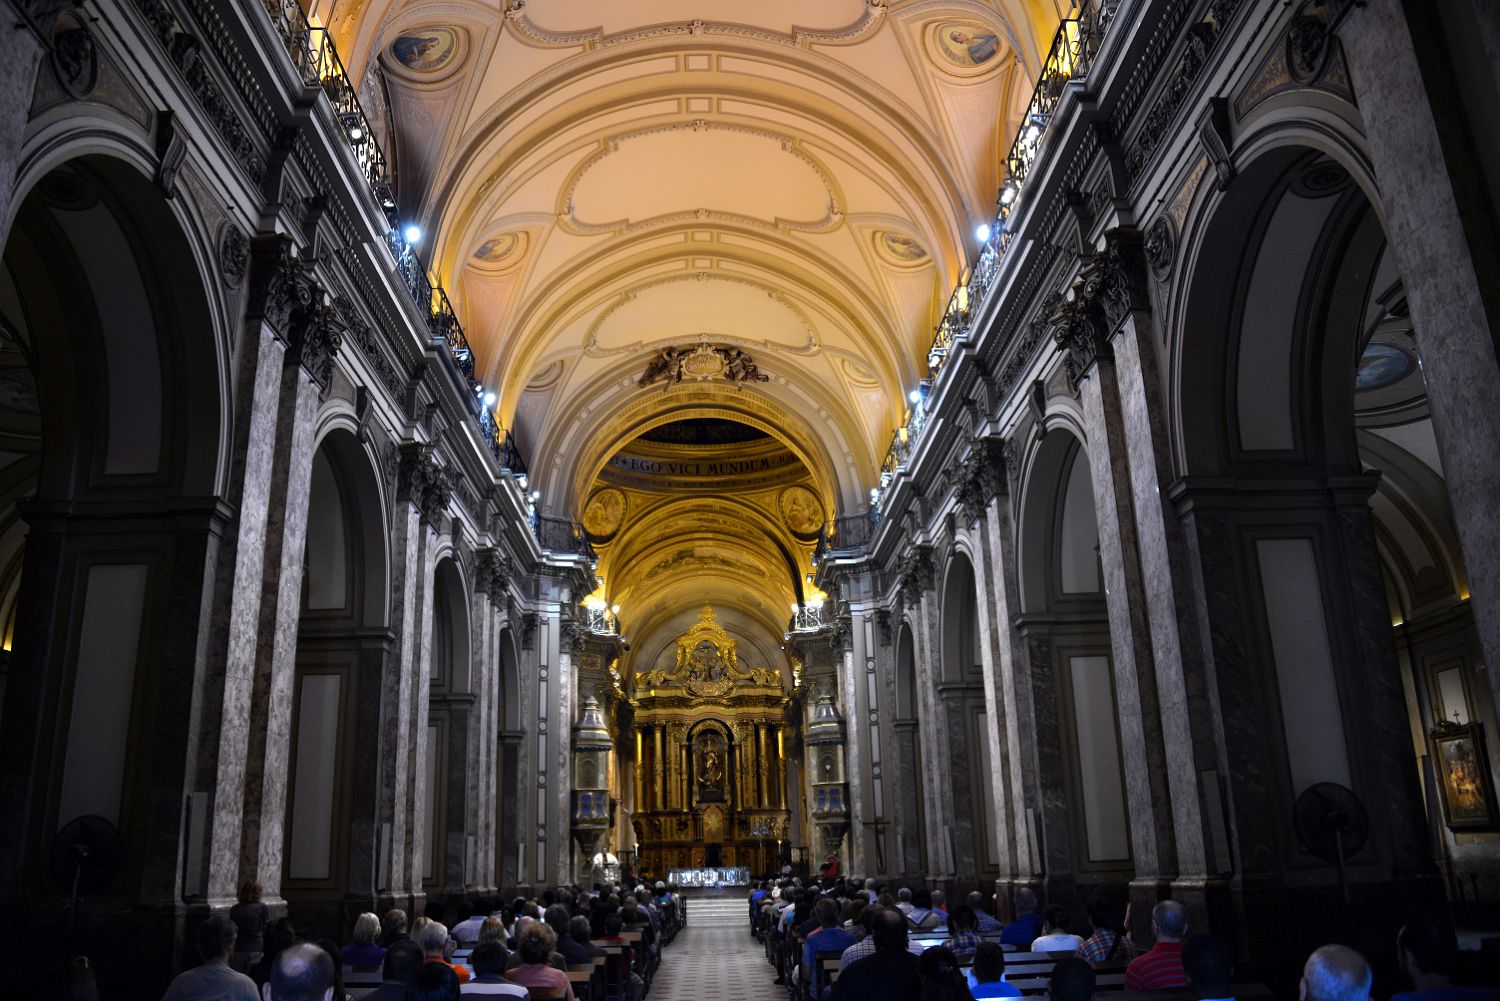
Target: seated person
866,944
1209,967
572,953
829,936
922,916
1055,936
1107,943
433,940
942,978
1028,924
903,900
987,921
987,976
488,963
433,982
1335,973
890,973
634,985
214,980
1160,969
536,947
1072,980
963,931
363,953
402,962
466,932
1428,953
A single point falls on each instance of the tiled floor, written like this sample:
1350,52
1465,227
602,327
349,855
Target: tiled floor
714,958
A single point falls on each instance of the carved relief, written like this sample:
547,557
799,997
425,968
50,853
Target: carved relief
700,364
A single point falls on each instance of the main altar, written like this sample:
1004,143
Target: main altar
710,751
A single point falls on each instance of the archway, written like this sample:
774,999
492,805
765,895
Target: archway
911,821
1085,833
333,832
112,364
448,853
508,843
1308,555
976,854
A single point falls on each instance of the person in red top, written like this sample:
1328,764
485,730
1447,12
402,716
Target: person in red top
1161,968
433,939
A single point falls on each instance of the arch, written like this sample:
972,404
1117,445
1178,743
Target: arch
960,610
1058,540
112,352
911,818
450,662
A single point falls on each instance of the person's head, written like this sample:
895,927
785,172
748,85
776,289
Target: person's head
975,899
939,900
1426,948
1208,965
1025,901
302,972
889,929
1169,920
904,895
366,928
491,930
1055,920
250,892
942,978
536,942
558,917
1072,980
870,884
393,924
963,918
490,957
216,939
402,961
989,962
280,935
921,897
578,930
1102,915
433,982
826,913
854,910
432,939
1335,973
660,887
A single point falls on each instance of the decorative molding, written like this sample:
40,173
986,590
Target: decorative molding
592,349
1160,248
234,255
492,571
700,364
1214,135
914,574
981,477
74,57
314,343
424,483
870,19
280,283
1109,287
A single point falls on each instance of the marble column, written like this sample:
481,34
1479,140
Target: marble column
269,739
1431,200
419,706
936,784
17,88
658,780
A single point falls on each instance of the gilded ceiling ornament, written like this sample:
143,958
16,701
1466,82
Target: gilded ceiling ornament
801,511
701,364
604,513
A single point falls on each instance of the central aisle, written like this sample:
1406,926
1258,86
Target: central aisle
715,958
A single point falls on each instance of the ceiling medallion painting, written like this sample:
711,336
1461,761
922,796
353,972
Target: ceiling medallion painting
707,664
604,514
901,249
801,511
700,364
425,50
499,248
965,45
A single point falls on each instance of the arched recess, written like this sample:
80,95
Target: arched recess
332,837
112,364
961,695
1064,626
911,825
1299,382
451,751
508,802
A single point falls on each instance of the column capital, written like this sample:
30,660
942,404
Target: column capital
981,476
915,573
1110,286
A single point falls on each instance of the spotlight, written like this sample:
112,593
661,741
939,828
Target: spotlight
1033,133
489,399
614,609
982,232
536,495
1009,192
413,234
915,396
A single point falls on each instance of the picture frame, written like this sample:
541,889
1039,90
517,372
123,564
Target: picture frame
1463,773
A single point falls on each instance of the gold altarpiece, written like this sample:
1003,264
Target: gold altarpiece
710,776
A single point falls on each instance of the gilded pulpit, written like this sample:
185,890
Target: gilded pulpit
710,770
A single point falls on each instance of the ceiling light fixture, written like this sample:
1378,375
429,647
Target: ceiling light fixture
413,234
982,231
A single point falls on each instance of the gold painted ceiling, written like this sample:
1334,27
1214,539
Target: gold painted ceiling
796,180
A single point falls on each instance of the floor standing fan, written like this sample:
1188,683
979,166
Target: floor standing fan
85,857
1333,825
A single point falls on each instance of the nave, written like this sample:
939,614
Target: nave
714,958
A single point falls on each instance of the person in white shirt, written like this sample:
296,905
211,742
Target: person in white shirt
903,900
214,980
1055,936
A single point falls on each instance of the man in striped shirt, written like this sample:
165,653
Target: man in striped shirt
1161,968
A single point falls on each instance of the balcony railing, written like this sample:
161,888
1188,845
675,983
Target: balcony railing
1074,48
600,621
510,455
317,62
806,619
847,533
559,535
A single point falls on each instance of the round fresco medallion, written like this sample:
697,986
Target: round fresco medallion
801,511
426,50
966,45
1382,365
497,248
902,249
605,511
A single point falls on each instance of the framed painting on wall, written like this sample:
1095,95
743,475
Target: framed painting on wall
1464,774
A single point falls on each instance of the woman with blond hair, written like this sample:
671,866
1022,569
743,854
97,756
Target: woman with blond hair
364,953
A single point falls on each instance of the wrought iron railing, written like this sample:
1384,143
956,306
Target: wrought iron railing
1074,49
847,533
560,535
599,620
806,619
510,455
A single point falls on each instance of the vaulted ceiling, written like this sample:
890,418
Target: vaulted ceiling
600,181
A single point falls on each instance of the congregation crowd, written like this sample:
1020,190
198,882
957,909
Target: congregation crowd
564,943
851,940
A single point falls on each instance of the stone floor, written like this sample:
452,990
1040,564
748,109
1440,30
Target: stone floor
714,958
